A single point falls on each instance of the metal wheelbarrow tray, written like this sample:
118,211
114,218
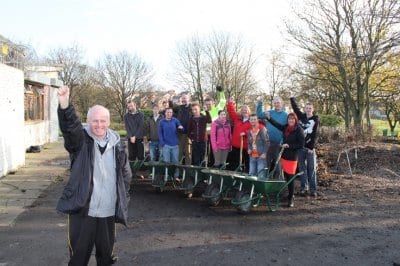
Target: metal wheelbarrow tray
251,190
161,173
219,184
191,176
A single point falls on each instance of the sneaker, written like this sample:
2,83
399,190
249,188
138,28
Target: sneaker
303,193
291,203
177,179
114,259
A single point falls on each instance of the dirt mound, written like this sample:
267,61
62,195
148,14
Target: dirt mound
369,159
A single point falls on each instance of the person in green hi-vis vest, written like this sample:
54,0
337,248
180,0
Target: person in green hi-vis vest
213,110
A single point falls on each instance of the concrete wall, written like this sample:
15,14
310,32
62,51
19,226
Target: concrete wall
12,149
53,119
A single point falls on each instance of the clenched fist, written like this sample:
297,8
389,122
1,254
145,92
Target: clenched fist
63,97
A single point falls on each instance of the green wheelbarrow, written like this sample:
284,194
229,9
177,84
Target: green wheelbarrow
138,165
251,190
219,184
161,173
192,176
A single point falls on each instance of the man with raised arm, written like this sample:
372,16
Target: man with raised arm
96,195
275,135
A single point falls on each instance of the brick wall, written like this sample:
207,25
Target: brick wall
12,150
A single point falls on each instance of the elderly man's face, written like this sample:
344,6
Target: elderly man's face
99,123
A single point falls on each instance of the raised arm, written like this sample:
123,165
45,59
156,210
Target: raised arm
314,134
70,124
222,101
274,122
231,109
259,110
296,108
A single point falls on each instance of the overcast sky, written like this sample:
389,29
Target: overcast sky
150,28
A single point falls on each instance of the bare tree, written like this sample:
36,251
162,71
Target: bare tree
219,59
123,75
277,74
70,58
89,88
231,65
349,40
190,65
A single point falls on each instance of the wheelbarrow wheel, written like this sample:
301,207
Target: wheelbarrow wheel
215,197
188,184
158,182
243,196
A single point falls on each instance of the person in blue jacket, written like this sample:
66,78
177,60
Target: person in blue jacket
275,135
168,137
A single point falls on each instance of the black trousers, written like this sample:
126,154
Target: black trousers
210,154
136,150
84,232
198,152
290,186
234,159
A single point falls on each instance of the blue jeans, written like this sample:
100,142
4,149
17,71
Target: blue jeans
155,151
307,164
170,154
257,166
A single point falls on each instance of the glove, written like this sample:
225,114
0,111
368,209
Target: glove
220,88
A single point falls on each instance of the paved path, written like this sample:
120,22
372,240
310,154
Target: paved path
19,190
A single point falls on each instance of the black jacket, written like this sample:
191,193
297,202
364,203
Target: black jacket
77,192
309,124
295,140
183,114
134,124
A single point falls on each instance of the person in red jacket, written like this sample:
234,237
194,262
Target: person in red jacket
241,125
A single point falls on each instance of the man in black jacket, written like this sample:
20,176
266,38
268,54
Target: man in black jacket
96,195
307,155
183,114
134,125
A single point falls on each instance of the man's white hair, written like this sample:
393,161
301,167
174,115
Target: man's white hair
97,108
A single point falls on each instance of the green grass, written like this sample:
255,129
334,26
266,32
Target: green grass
379,125
121,132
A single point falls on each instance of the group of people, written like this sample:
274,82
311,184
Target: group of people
96,195
248,142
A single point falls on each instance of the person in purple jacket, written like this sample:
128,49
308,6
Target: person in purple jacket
168,138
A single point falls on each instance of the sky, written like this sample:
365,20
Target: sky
149,28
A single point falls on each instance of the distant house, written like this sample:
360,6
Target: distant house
28,110
40,105
11,54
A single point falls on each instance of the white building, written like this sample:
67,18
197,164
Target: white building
28,112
